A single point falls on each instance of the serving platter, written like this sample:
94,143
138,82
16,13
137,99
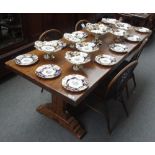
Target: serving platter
105,60
76,36
97,28
119,48
87,47
124,26
49,47
77,58
48,71
26,59
75,82
119,32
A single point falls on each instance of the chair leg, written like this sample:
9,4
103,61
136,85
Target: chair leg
42,90
106,113
127,90
134,80
124,106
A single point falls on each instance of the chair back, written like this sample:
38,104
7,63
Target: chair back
139,50
81,23
50,35
117,84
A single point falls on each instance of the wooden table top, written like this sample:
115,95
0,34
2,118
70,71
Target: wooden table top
93,71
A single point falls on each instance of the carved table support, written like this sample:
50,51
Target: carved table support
56,110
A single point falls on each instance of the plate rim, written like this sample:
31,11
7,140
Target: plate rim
33,62
48,77
73,90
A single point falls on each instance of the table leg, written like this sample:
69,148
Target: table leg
56,110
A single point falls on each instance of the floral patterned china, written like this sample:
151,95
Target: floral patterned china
49,47
106,60
109,20
87,47
26,59
76,36
48,71
142,29
97,28
119,32
119,48
75,83
77,58
124,26
133,38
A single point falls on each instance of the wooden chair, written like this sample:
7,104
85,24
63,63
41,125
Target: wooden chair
114,91
50,35
134,57
81,23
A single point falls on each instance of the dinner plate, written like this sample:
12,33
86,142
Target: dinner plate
87,47
119,48
106,60
75,82
109,20
142,29
77,58
124,26
133,38
26,59
48,71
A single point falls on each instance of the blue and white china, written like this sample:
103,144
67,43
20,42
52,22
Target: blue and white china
87,47
76,36
49,47
124,26
119,48
75,82
142,29
26,59
106,60
48,71
133,38
77,58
